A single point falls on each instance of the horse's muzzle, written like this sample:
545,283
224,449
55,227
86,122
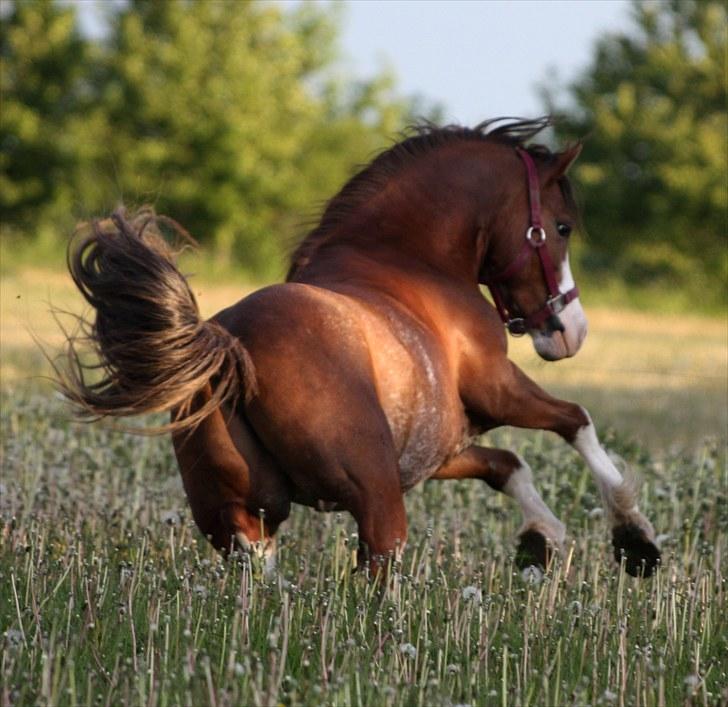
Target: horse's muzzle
562,335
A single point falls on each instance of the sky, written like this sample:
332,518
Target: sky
478,58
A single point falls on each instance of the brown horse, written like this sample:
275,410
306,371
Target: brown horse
378,362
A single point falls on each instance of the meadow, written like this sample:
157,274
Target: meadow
109,595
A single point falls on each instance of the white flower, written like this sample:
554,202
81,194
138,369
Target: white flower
662,538
472,593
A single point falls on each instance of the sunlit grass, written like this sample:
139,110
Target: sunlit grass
108,594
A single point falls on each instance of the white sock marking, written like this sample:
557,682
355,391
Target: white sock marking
606,474
520,487
587,444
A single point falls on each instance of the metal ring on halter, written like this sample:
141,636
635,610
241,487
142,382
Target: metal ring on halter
541,233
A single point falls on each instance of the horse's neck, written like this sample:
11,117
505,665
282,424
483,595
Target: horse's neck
426,215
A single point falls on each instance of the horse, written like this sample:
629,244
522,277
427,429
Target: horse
378,363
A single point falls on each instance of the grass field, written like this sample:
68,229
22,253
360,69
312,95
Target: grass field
108,595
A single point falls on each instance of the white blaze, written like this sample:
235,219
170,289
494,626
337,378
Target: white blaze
557,345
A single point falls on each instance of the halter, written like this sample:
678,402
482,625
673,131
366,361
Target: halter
535,240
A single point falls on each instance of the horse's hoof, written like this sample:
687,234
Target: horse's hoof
533,550
641,555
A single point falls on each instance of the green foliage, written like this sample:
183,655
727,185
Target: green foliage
653,171
43,60
227,115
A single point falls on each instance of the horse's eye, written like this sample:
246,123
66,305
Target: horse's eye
564,229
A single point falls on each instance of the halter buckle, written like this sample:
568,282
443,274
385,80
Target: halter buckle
556,305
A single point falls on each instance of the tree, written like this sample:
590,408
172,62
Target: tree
44,59
229,116
226,115
653,171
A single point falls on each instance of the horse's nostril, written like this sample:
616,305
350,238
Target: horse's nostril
555,324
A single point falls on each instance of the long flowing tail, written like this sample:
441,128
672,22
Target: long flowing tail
154,351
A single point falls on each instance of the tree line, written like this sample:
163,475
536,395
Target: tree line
235,118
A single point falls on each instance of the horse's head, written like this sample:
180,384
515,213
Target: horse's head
527,268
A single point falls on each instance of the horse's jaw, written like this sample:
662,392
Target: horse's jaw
555,345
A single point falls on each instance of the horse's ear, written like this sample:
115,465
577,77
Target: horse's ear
563,162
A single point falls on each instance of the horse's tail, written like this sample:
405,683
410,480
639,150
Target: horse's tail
154,351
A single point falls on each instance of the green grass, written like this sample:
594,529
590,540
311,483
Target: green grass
108,595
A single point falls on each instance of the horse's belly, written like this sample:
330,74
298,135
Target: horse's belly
419,460
427,426
415,390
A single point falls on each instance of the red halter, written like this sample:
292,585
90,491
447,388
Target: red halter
535,240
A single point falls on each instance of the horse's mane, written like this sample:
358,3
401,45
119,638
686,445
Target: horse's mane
416,140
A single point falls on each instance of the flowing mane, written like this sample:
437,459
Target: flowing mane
417,141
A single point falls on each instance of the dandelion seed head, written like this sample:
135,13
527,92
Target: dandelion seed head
408,650
532,575
13,637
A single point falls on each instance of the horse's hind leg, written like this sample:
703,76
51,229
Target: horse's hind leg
363,474
541,532
229,479
382,524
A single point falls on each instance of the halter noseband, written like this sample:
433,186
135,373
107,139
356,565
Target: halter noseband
535,240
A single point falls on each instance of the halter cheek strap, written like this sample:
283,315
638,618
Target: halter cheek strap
535,240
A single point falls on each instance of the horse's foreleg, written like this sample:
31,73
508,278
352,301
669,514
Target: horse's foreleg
527,405
541,532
